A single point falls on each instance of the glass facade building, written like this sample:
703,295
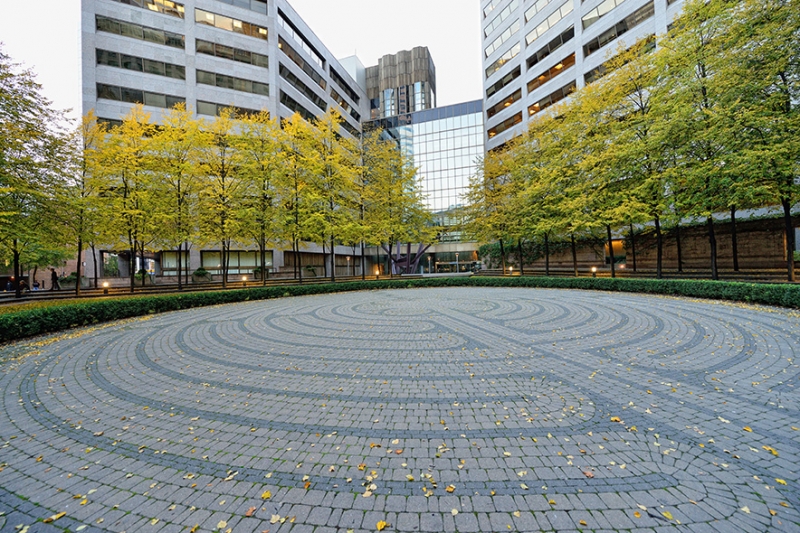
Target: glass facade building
445,144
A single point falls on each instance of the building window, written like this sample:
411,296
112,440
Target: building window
169,263
535,8
150,66
338,80
495,109
618,29
243,262
508,78
295,106
214,110
389,103
229,24
597,73
505,36
234,54
552,98
502,60
159,6
595,14
345,105
492,5
259,6
551,73
301,41
229,82
304,89
300,62
505,125
498,20
136,31
551,47
137,96
549,22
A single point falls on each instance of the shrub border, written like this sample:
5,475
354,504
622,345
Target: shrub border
28,323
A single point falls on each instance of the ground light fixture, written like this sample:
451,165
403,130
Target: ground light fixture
105,287
244,281
594,272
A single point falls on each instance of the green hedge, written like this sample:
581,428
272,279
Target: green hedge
36,321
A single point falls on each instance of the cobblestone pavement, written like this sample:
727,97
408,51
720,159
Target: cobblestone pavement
428,410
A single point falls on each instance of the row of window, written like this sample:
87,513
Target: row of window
551,47
301,41
229,52
498,20
139,64
556,17
505,125
306,91
230,24
502,82
229,82
294,105
168,7
137,31
595,14
345,105
502,38
597,73
214,110
554,71
502,60
619,28
137,96
488,9
339,80
300,62
552,98
259,6
495,109
535,8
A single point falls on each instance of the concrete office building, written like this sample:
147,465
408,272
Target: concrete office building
211,54
401,83
536,52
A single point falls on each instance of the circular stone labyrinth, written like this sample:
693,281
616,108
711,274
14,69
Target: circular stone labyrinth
459,409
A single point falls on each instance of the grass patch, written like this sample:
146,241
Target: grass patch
19,322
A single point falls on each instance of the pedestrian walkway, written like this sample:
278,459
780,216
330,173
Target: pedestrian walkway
456,409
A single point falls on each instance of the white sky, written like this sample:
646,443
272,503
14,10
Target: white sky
44,35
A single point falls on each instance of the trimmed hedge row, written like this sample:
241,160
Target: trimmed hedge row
37,321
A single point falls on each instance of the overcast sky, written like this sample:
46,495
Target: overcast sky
44,35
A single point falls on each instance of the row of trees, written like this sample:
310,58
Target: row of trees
706,122
232,181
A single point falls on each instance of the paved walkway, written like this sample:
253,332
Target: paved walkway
418,410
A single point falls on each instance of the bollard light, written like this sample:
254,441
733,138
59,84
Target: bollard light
105,287
244,281
594,272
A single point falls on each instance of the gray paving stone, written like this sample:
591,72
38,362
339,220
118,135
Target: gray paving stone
529,384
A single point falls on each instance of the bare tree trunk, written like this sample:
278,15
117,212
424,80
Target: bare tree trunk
333,260
574,255
78,268
659,249
547,254
132,265
17,281
678,245
521,257
503,256
734,240
712,241
94,263
180,267
298,267
144,270
611,251
790,244
633,247
363,263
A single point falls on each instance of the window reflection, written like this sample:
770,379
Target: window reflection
137,96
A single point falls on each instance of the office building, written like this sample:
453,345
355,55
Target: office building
536,52
401,83
210,54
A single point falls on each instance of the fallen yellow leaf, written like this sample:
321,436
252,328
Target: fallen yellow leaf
266,495
195,528
381,525
667,515
748,429
780,481
450,488
55,517
637,514
582,522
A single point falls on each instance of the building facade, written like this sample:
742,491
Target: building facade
401,83
210,54
445,145
536,52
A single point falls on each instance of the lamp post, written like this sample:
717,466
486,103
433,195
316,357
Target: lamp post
105,287
594,272
511,271
429,265
457,270
244,281
348,265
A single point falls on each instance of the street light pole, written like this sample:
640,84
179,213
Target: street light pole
457,262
